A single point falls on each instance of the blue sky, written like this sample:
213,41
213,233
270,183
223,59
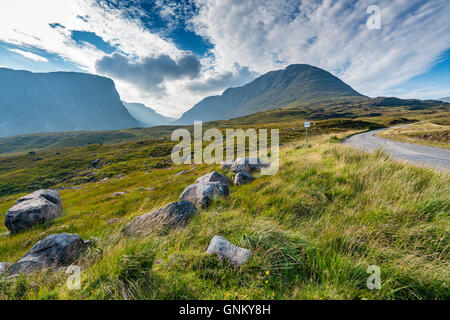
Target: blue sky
171,54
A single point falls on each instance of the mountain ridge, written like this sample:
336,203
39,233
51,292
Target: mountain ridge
296,84
59,101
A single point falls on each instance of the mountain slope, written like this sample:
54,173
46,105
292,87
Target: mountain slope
59,101
146,116
445,99
291,87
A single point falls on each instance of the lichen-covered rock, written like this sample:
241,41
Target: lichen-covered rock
214,177
247,165
202,194
4,267
225,249
173,215
54,251
243,178
36,208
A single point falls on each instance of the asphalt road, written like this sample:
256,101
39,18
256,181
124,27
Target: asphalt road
421,155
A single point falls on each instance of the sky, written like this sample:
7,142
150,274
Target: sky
171,54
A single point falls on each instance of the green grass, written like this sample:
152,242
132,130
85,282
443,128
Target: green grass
426,133
348,108
329,213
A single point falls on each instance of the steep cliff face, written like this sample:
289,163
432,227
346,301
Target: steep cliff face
298,83
59,101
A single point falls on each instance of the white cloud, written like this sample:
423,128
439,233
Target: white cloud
29,55
264,35
27,23
260,35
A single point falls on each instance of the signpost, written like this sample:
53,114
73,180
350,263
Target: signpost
307,125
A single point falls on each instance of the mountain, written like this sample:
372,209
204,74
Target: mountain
296,85
445,99
59,101
146,116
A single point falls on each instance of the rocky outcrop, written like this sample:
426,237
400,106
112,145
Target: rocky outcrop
225,249
202,194
54,251
36,208
214,177
243,178
173,215
4,267
247,165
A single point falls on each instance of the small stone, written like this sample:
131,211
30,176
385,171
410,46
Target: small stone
214,177
225,249
247,165
4,267
226,165
243,178
95,163
118,194
173,215
113,221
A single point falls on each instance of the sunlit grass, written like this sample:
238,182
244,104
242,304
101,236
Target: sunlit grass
314,228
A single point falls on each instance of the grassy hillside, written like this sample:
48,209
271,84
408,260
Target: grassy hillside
426,133
329,213
297,84
348,109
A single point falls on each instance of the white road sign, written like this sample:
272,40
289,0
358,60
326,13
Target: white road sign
307,124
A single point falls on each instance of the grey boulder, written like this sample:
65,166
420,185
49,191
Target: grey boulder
243,178
53,251
247,165
225,249
214,177
226,165
4,267
173,215
36,208
202,194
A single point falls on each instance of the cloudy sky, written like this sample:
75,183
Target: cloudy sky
170,54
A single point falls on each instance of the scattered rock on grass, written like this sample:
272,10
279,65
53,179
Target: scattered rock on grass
4,267
118,194
95,163
54,251
214,177
173,215
225,249
202,194
243,178
226,165
36,208
247,165
113,221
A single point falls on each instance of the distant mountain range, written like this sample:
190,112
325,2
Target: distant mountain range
68,101
445,99
146,116
294,86
59,101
